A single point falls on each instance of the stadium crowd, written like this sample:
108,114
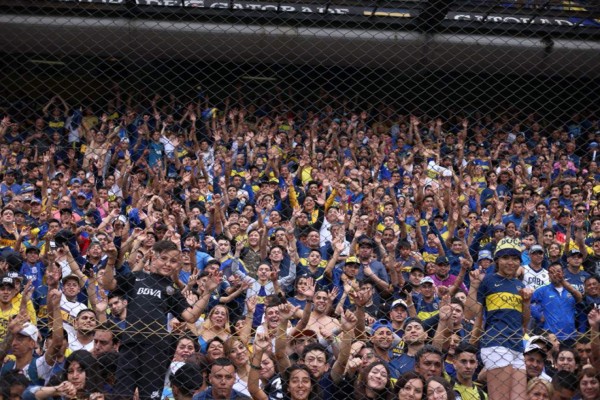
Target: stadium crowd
172,250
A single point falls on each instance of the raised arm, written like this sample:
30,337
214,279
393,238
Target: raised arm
56,323
261,343
347,323
286,311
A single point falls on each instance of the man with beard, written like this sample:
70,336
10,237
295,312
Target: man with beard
106,339
83,336
442,276
414,340
382,339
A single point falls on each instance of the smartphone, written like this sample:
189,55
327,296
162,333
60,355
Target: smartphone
407,287
52,245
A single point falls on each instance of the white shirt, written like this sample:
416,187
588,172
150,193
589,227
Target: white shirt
535,279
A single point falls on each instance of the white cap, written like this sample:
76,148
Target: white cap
29,330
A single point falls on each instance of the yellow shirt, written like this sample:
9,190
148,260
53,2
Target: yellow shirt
469,393
8,314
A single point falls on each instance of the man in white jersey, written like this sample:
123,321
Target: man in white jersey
534,274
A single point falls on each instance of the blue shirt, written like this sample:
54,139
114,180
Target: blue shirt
207,395
558,310
576,280
503,312
402,364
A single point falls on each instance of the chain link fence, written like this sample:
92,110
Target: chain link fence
301,200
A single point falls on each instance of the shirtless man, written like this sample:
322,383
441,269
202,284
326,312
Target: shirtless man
319,321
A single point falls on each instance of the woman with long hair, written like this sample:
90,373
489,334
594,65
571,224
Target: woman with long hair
215,325
237,352
264,364
374,383
439,389
410,386
567,359
539,389
589,384
80,378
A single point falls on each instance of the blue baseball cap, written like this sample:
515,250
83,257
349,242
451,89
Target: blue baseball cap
382,323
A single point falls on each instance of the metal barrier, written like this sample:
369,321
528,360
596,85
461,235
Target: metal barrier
328,199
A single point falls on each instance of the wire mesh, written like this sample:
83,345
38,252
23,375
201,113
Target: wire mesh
302,199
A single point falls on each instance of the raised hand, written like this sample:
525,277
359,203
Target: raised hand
526,294
445,313
594,319
213,281
476,276
311,286
53,298
287,311
348,321
262,341
251,304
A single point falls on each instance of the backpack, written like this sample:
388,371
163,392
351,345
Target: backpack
32,372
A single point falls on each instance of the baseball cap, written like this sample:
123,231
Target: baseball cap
507,247
533,348
400,303
442,260
71,276
485,255
537,339
536,248
15,276
352,260
427,279
32,248
75,180
574,252
7,281
36,200
82,194
499,227
30,331
417,266
382,323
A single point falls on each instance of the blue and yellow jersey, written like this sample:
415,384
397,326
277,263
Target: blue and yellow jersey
381,227
503,311
480,182
426,310
429,253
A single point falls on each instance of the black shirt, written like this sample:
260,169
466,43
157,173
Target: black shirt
151,297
